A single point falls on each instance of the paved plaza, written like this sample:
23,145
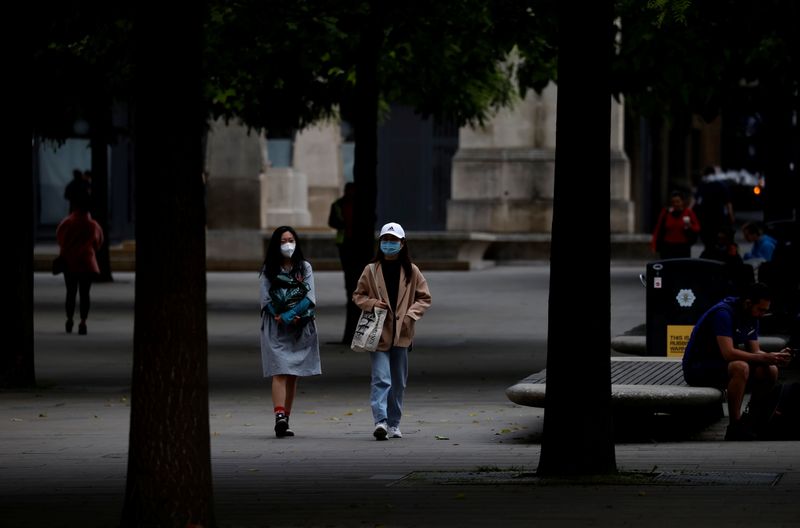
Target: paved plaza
468,455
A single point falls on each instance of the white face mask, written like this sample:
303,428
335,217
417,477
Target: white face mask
287,249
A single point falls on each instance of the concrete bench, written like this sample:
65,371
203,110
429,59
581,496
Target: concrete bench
638,384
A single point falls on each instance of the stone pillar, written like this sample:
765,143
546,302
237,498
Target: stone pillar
622,208
317,154
502,178
233,163
284,192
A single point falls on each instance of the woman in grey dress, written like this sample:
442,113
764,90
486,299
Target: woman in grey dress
289,341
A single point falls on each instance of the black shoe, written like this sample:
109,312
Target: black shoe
281,425
82,329
288,431
68,326
739,432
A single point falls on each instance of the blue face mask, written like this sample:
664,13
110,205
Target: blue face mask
390,248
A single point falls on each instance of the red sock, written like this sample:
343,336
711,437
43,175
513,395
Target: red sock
280,410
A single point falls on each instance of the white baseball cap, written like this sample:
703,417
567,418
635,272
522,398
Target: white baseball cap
393,228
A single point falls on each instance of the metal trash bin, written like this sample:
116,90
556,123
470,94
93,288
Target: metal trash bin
678,292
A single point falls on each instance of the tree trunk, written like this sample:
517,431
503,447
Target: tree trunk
16,354
169,480
365,162
578,435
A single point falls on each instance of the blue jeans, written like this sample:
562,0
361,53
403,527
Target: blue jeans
389,376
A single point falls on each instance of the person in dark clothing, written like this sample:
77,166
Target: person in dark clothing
726,250
723,352
713,207
79,190
341,219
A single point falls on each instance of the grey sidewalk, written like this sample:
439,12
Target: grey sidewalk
63,447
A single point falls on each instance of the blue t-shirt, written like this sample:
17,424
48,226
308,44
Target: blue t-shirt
762,248
722,319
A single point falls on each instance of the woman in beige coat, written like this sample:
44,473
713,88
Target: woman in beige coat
391,281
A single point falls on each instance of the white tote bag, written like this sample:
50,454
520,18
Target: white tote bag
368,330
369,327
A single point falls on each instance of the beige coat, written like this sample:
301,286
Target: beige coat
413,299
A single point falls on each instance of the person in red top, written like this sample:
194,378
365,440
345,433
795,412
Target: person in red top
676,230
79,237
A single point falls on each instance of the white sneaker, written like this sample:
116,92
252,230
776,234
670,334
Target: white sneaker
380,431
394,432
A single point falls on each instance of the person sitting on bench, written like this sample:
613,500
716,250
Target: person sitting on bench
723,352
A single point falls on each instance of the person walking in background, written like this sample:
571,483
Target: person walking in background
763,244
723,352
340,218
713,207
80,188
391,281
79,237
676,230
289,340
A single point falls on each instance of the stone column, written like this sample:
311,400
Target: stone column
284,191
318,155
622,208
502,178
233,163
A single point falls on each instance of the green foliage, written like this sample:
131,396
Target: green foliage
81,58
674,10
270,64
280,66
270,61
702,57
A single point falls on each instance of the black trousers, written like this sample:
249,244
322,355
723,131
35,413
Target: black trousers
78,282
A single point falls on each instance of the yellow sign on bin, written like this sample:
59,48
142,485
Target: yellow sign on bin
677,337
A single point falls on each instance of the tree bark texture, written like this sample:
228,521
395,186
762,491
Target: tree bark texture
169,482
16,354
365,162
578,436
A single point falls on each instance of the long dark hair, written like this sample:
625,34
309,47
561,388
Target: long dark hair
404,257
274,258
